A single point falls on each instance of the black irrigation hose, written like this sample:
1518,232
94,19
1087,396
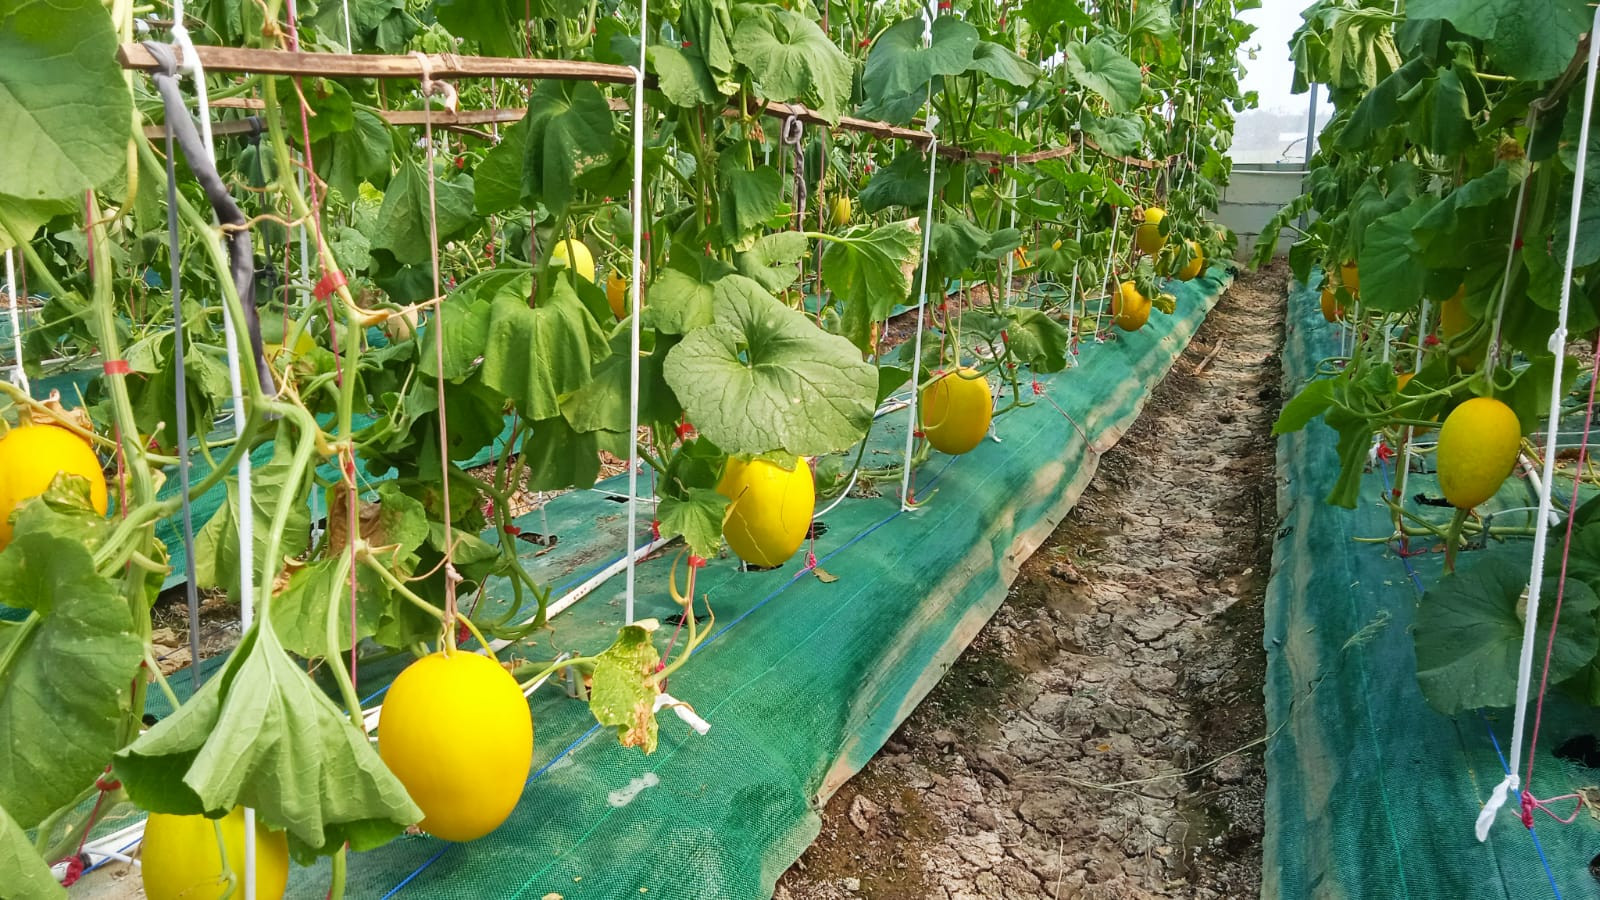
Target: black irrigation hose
241,252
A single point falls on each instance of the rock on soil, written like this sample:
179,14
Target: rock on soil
1100,738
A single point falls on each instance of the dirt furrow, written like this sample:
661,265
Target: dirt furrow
1083,746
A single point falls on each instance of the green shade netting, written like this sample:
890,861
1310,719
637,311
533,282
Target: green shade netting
802,682
1370,792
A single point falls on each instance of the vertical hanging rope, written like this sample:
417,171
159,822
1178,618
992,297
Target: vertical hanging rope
451,576
191,593
246,521
1111,256
636,201
907,500
18,376
1541,532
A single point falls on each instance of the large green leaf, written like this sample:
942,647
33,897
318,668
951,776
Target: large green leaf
66,671
1039,341
1439,114
1469,633
771,260
868,270
900,69
749,198
27,877
903,182
1000,62
679,303
1456,230
64,107
359,153
535,355
261,734
1392,275
1101,67
65,111
1532,41
569,133
697,517
495,25
559,457
700,70
497,181
1381,107
1117,135
762,378
603,403
1046,16
791,58
403,227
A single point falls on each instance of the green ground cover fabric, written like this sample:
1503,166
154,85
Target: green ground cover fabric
802,682
1371,793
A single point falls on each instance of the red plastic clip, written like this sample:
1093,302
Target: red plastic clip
919,433
1038,388
512,530
107,783
116,367
73,873
697,562
1431,340
1385,452
684,430
330,282
655,529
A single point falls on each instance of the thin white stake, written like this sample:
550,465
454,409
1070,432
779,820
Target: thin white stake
1541,528
1111,255
637,204
18,376
922,306
246,524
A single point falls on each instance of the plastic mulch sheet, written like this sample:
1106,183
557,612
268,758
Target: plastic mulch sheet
1371,793
803,679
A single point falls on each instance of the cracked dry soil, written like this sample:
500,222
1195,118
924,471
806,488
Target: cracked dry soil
1084,745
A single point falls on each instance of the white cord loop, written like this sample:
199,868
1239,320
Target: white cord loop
1541,532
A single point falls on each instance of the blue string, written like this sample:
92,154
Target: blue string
1537,846
412,877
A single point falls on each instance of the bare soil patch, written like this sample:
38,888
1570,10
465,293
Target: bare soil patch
1088,743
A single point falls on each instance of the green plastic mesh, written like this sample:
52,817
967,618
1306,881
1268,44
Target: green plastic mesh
1371,793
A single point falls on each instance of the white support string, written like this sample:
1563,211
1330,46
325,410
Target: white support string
1111,255
1076,297
18,376
637,204
190,62
906,500
1541,528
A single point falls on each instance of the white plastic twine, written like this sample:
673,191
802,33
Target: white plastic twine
636,202
18,376
1541,532
1076,297
190,62
1111,255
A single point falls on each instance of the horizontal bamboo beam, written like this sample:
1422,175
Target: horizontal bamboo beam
442,66
450,66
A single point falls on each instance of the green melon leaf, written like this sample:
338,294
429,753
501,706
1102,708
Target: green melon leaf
763,378
772,260
900,69
1530,41
790,58
869,270
569,133
697,517
261,734
1102,68
903,182
402,226
28,876
535,355
1392,274
62,100
66,670
1469,627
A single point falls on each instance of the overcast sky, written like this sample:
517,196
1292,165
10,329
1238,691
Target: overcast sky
1271,73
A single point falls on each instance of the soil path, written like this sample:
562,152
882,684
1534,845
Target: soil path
1087,744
